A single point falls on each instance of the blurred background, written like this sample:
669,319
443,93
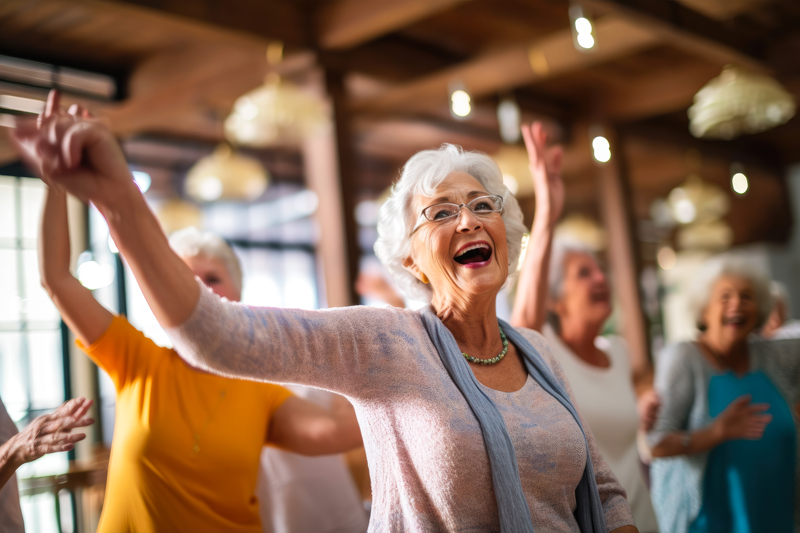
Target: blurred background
280,125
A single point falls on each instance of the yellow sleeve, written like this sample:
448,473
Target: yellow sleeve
122,351
275,395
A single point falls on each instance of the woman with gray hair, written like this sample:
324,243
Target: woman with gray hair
725,441
468,423
563,279
186,447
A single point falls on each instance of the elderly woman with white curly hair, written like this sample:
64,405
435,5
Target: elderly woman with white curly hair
725,441
468,423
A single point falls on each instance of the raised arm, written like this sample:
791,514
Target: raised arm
79,154
83,314
545,164
328,349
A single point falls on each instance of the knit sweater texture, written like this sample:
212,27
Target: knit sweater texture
428,464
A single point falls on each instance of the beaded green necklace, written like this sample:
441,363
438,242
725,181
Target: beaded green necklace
493,360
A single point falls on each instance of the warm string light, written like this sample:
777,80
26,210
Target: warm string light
460,103
582,29
601,148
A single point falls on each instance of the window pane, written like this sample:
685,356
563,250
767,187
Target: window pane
9,293
47,381
8,212
39,513
32,203
13,390
37,306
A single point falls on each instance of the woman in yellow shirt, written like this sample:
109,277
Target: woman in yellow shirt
187,443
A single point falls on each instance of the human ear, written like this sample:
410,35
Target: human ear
411,266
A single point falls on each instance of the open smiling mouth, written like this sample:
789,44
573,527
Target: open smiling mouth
474,254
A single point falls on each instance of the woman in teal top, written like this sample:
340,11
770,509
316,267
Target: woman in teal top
725,442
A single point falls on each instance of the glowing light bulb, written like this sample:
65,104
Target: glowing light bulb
602,149
739,183
582,25
460,103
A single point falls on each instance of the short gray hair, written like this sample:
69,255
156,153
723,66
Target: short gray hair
191,242
728,265
561,249
421,175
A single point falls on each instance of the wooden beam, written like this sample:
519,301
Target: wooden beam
659,93
515,66
683,28
348,23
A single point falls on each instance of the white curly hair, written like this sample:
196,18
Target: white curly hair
420,176
191,242
729,265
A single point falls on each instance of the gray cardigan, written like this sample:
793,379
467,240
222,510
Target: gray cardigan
682,378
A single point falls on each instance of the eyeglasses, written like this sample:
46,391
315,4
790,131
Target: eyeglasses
480,206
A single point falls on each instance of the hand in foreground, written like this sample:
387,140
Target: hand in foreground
51,433
73,151
648,405
742,420
545,164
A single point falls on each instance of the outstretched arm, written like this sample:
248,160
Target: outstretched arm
306,428
77,153
46,434
545,164
83,314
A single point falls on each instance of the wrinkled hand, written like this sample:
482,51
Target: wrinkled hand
73,151
53,433
648,405
743,420
545,164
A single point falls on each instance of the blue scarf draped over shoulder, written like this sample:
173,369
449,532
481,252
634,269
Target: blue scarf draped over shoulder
511,503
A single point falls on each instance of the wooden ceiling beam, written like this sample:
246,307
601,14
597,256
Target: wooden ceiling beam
514,66
348,23
657,94
684,29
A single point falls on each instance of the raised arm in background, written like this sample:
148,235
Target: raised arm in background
78,153
545,164
84,315
46,434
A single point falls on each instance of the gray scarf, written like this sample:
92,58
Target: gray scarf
511,504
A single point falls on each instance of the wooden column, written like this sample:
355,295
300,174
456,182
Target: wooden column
329,172
616,208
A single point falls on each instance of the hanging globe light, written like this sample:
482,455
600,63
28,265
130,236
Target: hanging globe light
276,113
226,175
737,102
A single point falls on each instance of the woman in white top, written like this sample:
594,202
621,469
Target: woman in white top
577,296
300,494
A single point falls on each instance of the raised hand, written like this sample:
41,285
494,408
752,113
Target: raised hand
545,164
52,433
73,151
743,420
648,405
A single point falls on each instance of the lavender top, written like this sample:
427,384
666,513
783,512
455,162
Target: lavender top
428,463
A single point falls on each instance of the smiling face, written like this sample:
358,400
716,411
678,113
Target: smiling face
585,293
732,312
214,275
463,256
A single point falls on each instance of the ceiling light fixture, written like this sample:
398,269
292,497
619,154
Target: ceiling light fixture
738,102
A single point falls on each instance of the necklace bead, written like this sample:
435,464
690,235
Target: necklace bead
493,360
